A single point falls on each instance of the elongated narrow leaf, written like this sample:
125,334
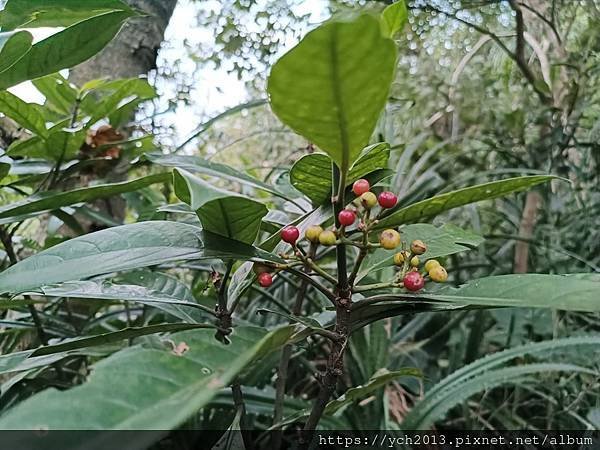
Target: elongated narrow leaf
148,389
311,174
379,379
195,164
433,206
221,212
27,115
122,248
491,371
575,292
67,48
47,201
143,286
54,13
335,101
440,241
27,359
13,46
60,94
394,18
129,91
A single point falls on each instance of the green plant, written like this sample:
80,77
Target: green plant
195,342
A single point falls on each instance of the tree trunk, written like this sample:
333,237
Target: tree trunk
133,52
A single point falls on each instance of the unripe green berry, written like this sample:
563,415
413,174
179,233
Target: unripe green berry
430,264
400,257
368,200
259,268
438,274
313,232
389,239
327,238
414,261
418,247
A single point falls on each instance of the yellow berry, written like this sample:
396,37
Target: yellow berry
389,239
368,199
313,232
418,247
438,274
400,257
414,261
430,264
327,237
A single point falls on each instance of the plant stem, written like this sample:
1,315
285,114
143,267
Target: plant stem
12,257
343,302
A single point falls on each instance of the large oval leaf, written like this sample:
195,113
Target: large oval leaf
148,389
335,99
122,248
311,174
221,212
13,46
433,206
67,48
28,115
54,13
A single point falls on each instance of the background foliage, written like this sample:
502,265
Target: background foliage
481,92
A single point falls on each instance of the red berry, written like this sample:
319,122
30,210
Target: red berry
387,199
414,281
346,217
360,187
290,234
265,279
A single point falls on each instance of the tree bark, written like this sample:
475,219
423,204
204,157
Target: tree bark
133,52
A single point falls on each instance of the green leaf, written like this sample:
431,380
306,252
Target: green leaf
195,164
122,248
490,371
311,174
574,292
25,114
60,94
394,18
148,389
151,288
46,201
65,49
13,45
25,360
221,212
433,206
58,144
335,101
55,13
379,379
440,241
129,91
4,169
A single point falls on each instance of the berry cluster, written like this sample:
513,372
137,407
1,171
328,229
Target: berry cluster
409,276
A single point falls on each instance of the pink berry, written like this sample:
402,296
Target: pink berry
265,279
290,234
346,217
414,281
360,187
387,199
